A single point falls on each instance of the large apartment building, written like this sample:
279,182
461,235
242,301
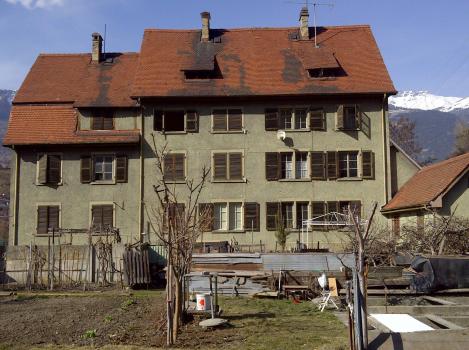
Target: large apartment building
291,125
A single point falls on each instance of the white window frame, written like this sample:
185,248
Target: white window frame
358,162
294,166
227,204
293,110
164,110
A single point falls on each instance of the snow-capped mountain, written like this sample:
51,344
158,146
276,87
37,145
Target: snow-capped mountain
425,101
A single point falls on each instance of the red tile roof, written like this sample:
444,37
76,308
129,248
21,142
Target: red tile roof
429,183
73,78
259,61
56,124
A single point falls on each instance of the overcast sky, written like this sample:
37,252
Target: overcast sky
425,44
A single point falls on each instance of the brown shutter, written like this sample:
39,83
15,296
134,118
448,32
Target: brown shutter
339,120
332,166
272,211
219,120
356,208
208,209
252,217
192,121
108,215
235,119
97,121
42,169
271,119
86,170
318,165
168,167
318,209
219,166
368,165
158,120
272,166
317,119
108,122
53,217
236,168
179,167
121,168
53,169
357,117
42,223
97,216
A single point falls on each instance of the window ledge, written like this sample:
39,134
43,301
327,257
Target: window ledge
349,179
296,130
295,180
174,132
110,182
47,234
244,131
229,181
176,181
50,184
228,231
353,129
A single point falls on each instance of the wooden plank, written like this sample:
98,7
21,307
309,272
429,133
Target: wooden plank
442,322
332,282
438,300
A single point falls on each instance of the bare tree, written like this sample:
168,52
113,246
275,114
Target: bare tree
178,224
461,143
281,233
402,131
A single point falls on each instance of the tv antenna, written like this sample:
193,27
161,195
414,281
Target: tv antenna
315,5
104,44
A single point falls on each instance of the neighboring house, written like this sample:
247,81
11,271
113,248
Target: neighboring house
441,188
403,167
82,125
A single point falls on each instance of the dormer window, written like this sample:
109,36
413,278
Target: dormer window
324,72
102,119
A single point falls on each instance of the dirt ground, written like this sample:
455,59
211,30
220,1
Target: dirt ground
113,318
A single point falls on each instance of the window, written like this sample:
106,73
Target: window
286,116
301,115
103,168
325,72
348,117
286,165
318,212
228,216
301,165
228,166
235,222
47,218
102,217
174,167
293,119
176,121
287,214
355,207
227,120
301,213
318,165
100,168
175,214
348,164
49,169
102,119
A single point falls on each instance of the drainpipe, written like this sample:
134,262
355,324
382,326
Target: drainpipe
142,133
15,199
385,132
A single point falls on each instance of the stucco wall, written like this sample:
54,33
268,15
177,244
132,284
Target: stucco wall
457,199
75,198
254,143
402,169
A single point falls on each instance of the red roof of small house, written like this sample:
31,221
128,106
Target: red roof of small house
57,124
260,61
74,78
428,184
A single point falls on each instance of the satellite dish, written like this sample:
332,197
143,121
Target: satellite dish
322,281
281,135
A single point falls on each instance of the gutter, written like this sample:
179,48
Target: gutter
386,145
401,210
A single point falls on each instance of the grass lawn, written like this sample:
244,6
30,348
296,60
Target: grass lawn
253,323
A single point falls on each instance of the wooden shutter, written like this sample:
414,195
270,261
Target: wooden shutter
192,121
108,215
333,207
179,167
271,119
219,120
53,169
53,217
158,120
207,209
235,119
357,117
368,165
97,121
236,167
42,223
252,217
272,211
317,119
97,217
318,165
332,165
219,166
86,171
272,166
339,120
168,167
174,167
121,168
108,122
365,124
42,169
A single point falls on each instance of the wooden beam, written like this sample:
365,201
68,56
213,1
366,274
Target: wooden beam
442,322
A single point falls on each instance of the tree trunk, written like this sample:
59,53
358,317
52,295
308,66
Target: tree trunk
178,300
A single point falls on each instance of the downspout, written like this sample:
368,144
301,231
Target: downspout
385,132
15,196
142,133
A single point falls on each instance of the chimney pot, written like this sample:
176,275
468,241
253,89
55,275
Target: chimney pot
304,25
97,47
205,26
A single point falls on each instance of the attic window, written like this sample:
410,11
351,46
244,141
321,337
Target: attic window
325,72
203,71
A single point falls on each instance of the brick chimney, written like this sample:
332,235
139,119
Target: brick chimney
97,48
205,26
304,25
